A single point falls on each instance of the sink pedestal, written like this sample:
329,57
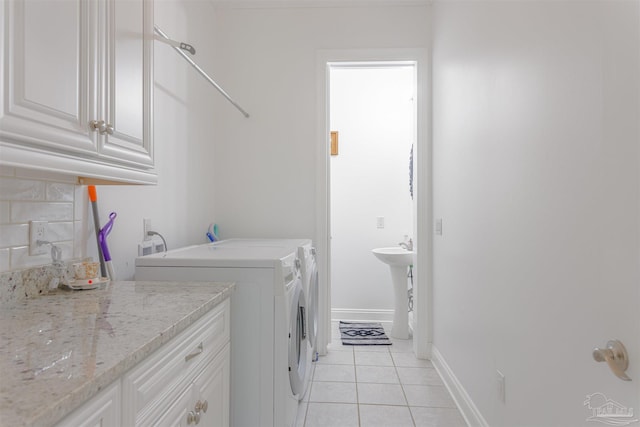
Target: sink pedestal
398,260
400,328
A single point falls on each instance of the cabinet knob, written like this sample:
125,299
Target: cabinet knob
96,125
100,126
191,417
202,406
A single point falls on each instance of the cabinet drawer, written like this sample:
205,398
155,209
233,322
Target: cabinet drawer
161,378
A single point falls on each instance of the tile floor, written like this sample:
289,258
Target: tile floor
358,386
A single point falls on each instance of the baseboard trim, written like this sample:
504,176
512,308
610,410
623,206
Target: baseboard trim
470,412
357,314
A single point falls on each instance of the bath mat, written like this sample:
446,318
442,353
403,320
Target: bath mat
359,333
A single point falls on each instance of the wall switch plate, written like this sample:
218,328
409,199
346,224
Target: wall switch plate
38,231
502,392
439,226
380,222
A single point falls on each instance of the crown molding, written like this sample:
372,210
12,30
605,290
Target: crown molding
275,4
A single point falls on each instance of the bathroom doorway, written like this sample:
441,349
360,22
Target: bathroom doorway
418,58
372,117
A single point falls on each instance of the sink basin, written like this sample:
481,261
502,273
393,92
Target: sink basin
395,256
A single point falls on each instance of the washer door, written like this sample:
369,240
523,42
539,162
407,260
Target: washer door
298,340
312,311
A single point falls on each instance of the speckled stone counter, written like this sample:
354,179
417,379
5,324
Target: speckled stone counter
58,350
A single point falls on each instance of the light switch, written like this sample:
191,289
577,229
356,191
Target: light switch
439,226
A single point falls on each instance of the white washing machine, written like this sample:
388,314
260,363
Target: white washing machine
269,348
307,255
309,268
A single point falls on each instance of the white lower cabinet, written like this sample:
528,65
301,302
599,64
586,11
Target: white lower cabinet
206,400
102,410
211,391
184,383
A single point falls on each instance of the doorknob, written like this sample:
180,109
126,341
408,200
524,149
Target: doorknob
616,357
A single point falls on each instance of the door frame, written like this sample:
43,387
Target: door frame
423,276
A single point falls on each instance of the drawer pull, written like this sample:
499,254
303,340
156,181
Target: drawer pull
194,354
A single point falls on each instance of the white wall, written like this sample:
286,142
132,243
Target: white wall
536,112
181,205
373,111
266,60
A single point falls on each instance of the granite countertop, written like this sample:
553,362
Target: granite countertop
58,350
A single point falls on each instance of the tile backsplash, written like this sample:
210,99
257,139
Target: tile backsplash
39,196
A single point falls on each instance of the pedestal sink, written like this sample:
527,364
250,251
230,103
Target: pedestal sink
398,259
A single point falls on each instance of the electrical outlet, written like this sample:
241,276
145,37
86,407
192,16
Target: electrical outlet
37,231
502,392
380,222
146,226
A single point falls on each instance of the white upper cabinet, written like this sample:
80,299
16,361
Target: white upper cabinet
77,87
128,81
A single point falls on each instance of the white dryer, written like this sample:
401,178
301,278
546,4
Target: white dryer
269,349
306,255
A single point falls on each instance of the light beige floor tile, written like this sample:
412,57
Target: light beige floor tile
337,358
333,392
307,392
387,325
401,346
373,359
385,416
435,417
336,345
335,329
302,412
376,348
332,415
340,373
419,376
377,374
408,360
428,395
381,394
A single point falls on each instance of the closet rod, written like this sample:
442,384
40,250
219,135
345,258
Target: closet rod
200,70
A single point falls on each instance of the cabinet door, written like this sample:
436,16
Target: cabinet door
212,387
127,90
178,412
48,58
